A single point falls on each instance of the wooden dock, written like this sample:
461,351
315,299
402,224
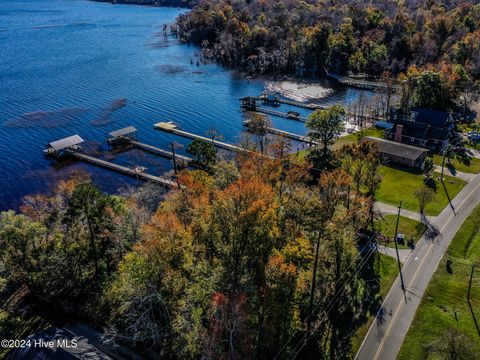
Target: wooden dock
272,112
124,170
286,134
302,105
298,104
157,151
172,128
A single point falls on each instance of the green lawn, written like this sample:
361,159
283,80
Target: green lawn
400,183
353,138
411,228
469,165
446,296
387,270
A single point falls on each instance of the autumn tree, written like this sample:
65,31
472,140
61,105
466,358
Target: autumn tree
424,195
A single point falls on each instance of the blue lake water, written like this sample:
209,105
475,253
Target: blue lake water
79,67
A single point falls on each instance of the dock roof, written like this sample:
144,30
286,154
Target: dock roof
122,132
396,148
66,142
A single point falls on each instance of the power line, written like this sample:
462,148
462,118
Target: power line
344,285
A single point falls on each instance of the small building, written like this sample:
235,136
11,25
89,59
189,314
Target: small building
122,136
61,147
421,127
398,153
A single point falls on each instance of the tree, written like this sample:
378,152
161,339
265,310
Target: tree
430,91
204,152
427,168
324,127
21,241
452,345
90,213
257,125
424,195
469,94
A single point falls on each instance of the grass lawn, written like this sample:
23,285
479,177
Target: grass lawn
411,228
400,183
446,296
355,137
386,268
470,165
352,138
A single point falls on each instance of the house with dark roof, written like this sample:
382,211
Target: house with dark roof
420,127
398,153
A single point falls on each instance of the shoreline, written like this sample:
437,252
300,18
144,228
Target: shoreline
182,4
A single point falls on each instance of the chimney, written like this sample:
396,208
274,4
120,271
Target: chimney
398,133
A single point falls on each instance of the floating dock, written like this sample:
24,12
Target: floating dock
124,170
170,127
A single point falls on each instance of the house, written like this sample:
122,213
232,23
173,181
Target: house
424,128
399,153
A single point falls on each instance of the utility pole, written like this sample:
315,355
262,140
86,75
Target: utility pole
396,249
174,158
174,145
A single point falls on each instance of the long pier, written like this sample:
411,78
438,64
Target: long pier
286,134
299,104
302,105
172,128
157,151
124,170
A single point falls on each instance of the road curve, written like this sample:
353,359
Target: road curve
390,326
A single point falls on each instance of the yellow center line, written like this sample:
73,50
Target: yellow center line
380,348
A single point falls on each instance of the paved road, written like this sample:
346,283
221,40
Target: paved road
388,330
461,175
403,254
388,209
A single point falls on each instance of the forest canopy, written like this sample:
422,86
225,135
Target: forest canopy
374,38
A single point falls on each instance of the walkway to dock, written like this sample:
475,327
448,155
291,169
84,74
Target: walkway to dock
172,128
157,151
125,170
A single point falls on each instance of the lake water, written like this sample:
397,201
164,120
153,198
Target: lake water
79,67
